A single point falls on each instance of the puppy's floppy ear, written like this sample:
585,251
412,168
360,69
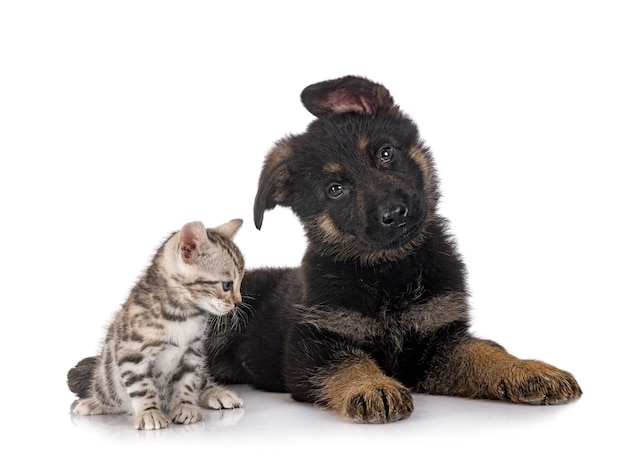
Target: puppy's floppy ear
346,94
275,181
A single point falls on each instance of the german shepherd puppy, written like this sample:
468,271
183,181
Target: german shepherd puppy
378,308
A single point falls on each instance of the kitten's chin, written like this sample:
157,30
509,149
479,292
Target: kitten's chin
215,307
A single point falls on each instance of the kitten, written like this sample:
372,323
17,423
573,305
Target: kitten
152,360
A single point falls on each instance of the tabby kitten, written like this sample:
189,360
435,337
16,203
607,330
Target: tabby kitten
151,362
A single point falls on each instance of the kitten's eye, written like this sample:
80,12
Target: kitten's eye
386,153
227,286
336,190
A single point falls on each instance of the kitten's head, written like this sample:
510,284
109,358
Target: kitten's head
209,265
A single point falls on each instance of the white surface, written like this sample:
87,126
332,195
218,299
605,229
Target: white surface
121,120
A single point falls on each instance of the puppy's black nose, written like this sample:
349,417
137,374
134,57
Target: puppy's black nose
393,214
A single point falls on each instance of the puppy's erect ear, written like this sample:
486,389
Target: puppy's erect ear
346,94
275,181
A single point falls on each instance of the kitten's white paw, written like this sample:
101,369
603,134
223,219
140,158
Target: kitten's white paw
88,407
186,414
216,397
151,420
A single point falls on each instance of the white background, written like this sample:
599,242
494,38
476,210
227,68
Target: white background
122,120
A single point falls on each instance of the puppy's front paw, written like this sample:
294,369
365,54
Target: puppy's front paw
379,402
535,382
216,397
372,400
151,420
186,414
358,390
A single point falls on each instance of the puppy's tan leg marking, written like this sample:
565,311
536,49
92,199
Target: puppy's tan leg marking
358,390
483,369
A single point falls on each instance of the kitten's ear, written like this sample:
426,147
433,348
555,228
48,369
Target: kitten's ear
228,229
344,95
275,180
192,240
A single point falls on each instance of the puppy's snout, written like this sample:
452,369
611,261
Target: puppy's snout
393,214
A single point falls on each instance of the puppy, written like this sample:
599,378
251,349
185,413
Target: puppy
378,308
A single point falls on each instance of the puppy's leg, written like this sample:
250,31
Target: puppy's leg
358,390
482,369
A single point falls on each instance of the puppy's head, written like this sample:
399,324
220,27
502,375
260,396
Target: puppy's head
360,179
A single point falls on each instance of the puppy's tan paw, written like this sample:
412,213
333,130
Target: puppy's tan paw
360,391
379,402
535,382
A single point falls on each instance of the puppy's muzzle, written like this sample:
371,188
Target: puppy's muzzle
393,214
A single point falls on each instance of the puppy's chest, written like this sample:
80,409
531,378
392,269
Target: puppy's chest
389,296
387,310
370,313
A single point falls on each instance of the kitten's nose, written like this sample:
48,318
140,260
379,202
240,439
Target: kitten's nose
235,297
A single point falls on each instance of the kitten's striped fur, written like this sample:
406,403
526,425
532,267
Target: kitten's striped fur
152,361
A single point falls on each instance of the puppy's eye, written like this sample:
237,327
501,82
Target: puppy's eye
386,153
335,190
227,286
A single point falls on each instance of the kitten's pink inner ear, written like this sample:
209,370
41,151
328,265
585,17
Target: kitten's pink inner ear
189,251
192,235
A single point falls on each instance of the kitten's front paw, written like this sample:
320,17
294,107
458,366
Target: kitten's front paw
186,414
535,382
151,420
216,397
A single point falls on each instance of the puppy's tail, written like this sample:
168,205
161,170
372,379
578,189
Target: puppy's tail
79,377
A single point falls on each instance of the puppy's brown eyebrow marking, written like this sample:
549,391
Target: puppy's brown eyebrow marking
333,167
423,161
327,225
362,144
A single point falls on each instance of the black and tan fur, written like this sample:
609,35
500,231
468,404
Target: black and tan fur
378,308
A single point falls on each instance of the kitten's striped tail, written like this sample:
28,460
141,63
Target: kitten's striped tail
79,377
